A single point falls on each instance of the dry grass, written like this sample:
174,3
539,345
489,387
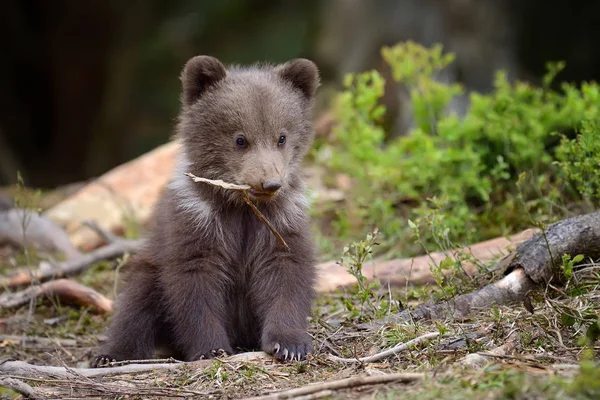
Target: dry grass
546,354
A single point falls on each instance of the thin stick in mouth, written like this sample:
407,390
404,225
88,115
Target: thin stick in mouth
244,189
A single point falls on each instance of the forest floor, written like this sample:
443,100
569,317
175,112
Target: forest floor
529,351
512,354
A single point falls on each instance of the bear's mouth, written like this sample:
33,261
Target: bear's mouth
260,195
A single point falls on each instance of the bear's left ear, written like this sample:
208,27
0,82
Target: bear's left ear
199,74
303,74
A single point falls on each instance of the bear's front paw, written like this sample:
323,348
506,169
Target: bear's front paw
206,354
287,344
102,361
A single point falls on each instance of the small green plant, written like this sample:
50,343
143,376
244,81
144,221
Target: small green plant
353,258
569,263
215,372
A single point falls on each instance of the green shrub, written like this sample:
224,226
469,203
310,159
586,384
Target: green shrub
463,169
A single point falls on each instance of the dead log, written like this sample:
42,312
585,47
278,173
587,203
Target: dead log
127,191
65,290
417,270
509,290
21,227
71,267
534,262
541,256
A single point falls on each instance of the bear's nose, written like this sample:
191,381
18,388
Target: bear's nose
271,185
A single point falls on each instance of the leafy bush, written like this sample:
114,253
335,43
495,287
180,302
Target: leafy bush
462,169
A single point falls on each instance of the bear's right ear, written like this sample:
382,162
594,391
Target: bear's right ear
200,73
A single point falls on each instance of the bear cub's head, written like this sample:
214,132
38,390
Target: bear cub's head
248,125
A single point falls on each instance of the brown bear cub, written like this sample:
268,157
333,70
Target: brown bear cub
211,276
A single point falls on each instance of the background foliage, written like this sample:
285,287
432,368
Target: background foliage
520,152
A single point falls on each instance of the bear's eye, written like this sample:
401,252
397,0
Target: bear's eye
281,140
241,141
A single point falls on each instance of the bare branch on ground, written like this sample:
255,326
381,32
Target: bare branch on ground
404,377
535,261
510,289
71,267
389,352
64,290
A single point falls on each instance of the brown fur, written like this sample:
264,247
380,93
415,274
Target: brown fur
212,276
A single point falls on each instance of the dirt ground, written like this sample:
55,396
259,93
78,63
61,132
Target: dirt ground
500,353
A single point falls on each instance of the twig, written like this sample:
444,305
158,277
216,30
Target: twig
265,220
405,377
20,387
169,360
108,236
394,350
217,182
73,266
63,289
33,340
244,189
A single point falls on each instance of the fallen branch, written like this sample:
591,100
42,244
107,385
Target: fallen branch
404,377
25,341
244,189
389,352
535,261
20,387
27,370
62,289
509,290
71,267
417,270
21,227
